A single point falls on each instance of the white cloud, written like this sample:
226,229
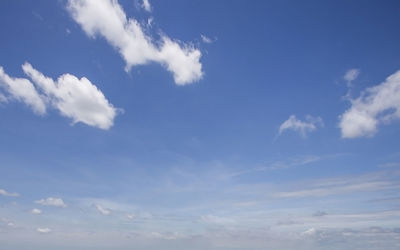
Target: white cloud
131,216
108,19
75,98
44,230
301,127
309,232
5,193
36,211
102,210
56,202
206,39
378,104
350,76
146,5
22,89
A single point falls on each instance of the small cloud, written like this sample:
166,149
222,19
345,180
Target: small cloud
43,230
36,211
309,232
131,216
103,211
10,224
55,202
146,5
350,76
206,39
5,193
302,127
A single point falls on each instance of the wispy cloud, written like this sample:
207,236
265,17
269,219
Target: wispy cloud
55,202
302,127
127,36
43,230
102,210
9,194
146,5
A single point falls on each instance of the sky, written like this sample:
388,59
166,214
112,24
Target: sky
218,125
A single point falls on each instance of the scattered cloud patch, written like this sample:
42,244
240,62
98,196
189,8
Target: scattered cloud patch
309,232
5,193
206,39
75,98
43,230
302,127
319,214
376,105
55,202
102,210
36,211
212,219
128,37
350,76
21,89
146,5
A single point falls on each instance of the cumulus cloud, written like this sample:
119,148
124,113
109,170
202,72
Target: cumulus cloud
301,127
102,210
146,5
376,105
21,89
127,36
75,98
5,193
43,230
55,202
36,211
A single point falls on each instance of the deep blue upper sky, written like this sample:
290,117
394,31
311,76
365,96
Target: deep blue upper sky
267,134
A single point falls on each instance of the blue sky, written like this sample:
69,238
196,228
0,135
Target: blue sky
199,125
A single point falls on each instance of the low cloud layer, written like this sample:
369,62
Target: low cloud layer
376,105
128,37
77,99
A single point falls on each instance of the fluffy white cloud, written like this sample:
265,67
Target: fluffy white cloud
75,98
5,193
56,202
146,5
102,210
22,89
44,230
108,19
350,76
36,211
302,127
378,104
